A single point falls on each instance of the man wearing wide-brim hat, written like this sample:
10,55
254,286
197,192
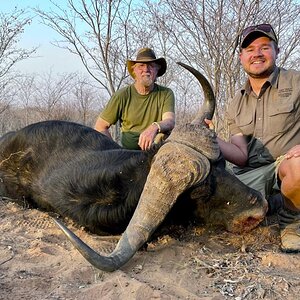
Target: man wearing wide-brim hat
145,109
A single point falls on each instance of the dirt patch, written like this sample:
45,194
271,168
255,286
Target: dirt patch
37,262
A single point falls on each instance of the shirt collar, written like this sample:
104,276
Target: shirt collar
272,80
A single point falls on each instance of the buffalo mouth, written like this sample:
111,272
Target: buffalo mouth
245,222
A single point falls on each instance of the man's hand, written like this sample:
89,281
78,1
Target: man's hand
293,152
147,137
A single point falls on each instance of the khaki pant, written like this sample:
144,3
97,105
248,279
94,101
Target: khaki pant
263,179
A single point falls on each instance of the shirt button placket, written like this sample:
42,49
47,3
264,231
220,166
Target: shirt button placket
259,118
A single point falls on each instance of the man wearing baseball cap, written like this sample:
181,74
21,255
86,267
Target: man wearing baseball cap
145,109
264,125
252,32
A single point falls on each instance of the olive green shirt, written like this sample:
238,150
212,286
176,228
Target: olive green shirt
136,112
270,121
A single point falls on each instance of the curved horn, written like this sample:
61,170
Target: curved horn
208,107
176,167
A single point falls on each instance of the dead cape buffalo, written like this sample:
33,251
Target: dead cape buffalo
81,174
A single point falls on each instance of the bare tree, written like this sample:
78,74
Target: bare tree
26,90
102,41
47,96
87,100
205,34
12,26
51,94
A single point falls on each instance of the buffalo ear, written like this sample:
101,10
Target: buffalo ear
20,160
18,174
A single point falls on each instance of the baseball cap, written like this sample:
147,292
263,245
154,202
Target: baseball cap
250,33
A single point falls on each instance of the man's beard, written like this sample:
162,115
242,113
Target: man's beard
264,74
147,81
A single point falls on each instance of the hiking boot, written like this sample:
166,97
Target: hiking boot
289,224
275,202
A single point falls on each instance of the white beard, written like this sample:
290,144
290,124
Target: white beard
147,81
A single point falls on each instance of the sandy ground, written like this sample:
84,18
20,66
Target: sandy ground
37,262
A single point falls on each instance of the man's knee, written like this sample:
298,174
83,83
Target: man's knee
290,179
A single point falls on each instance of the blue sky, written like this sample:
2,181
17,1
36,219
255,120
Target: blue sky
48,57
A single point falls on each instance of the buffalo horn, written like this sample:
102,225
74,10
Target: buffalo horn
177,166
208,108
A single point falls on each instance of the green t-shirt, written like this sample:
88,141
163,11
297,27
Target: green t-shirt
136,112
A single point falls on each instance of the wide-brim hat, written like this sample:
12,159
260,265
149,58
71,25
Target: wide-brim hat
253,32
147,55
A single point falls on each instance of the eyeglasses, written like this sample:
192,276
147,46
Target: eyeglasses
267,28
